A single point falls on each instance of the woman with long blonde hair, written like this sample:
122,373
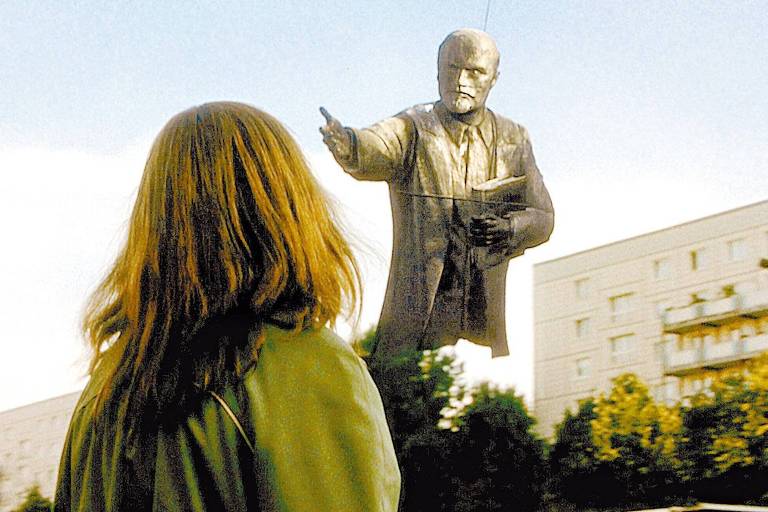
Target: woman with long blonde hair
215,383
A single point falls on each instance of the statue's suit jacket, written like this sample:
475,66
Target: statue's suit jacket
414,153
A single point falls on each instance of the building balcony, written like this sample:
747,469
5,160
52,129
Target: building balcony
756,344
755,303
714,355
683,358
716,312
722,350
682,316
724,306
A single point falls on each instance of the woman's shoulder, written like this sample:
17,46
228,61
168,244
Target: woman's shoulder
306,344
310,358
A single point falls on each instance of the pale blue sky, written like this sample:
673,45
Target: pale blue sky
642,114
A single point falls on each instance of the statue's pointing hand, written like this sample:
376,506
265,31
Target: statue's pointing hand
489,229
336,137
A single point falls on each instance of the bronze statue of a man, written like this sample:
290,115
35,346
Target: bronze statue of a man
450,248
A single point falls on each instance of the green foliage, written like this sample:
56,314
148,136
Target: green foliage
34,502
489,461
573,464
617,450
625,451
637,439
500,463
483,456
465,448
628,420
724,445
364,344
417,387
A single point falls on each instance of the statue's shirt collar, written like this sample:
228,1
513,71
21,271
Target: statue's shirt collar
456,128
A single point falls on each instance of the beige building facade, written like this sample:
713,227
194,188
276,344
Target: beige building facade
31,440
673,306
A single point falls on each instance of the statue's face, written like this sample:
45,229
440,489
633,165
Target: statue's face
466,72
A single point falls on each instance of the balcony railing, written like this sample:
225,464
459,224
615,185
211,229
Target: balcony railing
756,302
716,312
682,315
721,306
714,355
683,358
756,344
722,350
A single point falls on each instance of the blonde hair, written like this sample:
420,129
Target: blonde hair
228,221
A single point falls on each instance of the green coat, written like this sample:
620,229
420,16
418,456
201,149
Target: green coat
309,408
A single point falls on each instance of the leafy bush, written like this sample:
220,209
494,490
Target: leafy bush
34,502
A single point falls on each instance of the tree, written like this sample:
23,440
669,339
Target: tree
575,469
629,417
460,447
617,451
498,462
637,439
418,387
34,502
724,448
487,458
365,343
743,442
624,450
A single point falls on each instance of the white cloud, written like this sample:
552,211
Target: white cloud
62,218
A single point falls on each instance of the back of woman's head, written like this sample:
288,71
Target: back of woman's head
228,220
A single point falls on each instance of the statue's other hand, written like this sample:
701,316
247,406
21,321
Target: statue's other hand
489,229
336,137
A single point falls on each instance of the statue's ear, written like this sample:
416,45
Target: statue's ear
495,78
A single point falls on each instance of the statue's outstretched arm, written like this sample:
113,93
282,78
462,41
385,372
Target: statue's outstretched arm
376,153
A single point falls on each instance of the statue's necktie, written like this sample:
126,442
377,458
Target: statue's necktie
464,151
461,177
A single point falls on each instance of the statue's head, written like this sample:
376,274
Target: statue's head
467,69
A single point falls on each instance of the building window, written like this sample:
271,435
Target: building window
582,327
699,259
662,269
583,367
621,305
582,288
737,250
622,348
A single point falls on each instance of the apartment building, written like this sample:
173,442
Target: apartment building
673,306
31,440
